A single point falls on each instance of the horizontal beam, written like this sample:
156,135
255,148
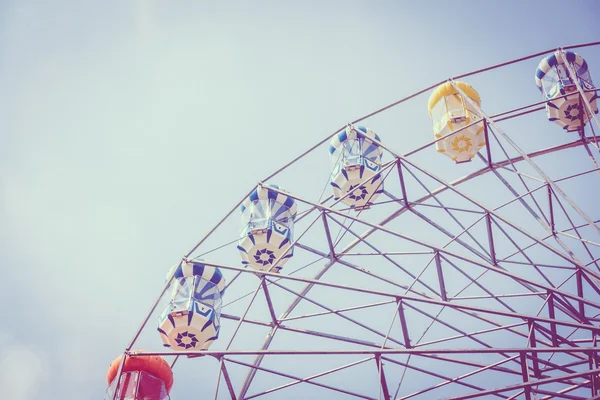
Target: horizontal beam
413,351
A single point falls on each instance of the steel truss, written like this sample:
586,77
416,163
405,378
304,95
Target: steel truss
439,290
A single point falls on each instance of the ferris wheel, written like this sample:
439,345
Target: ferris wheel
466,266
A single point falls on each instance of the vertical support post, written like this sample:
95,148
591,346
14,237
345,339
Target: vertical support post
403,324
593,381
487,143
438,265
594,365
118,377
533,344
552,317
382,380
551,209
580,291
402,186
219,374
488,221
525,374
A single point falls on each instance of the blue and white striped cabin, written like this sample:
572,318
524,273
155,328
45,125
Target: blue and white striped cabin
554,80
191,320
356,160
267,229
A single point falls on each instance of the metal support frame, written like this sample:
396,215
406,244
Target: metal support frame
547,336
311,377
449,253
556,189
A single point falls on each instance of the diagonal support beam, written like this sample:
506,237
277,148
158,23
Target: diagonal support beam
382,380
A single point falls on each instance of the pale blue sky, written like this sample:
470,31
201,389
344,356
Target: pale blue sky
129,127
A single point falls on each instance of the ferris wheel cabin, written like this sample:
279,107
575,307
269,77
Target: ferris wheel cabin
451,112
356,159
147,377
559,87
265,241
191,320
